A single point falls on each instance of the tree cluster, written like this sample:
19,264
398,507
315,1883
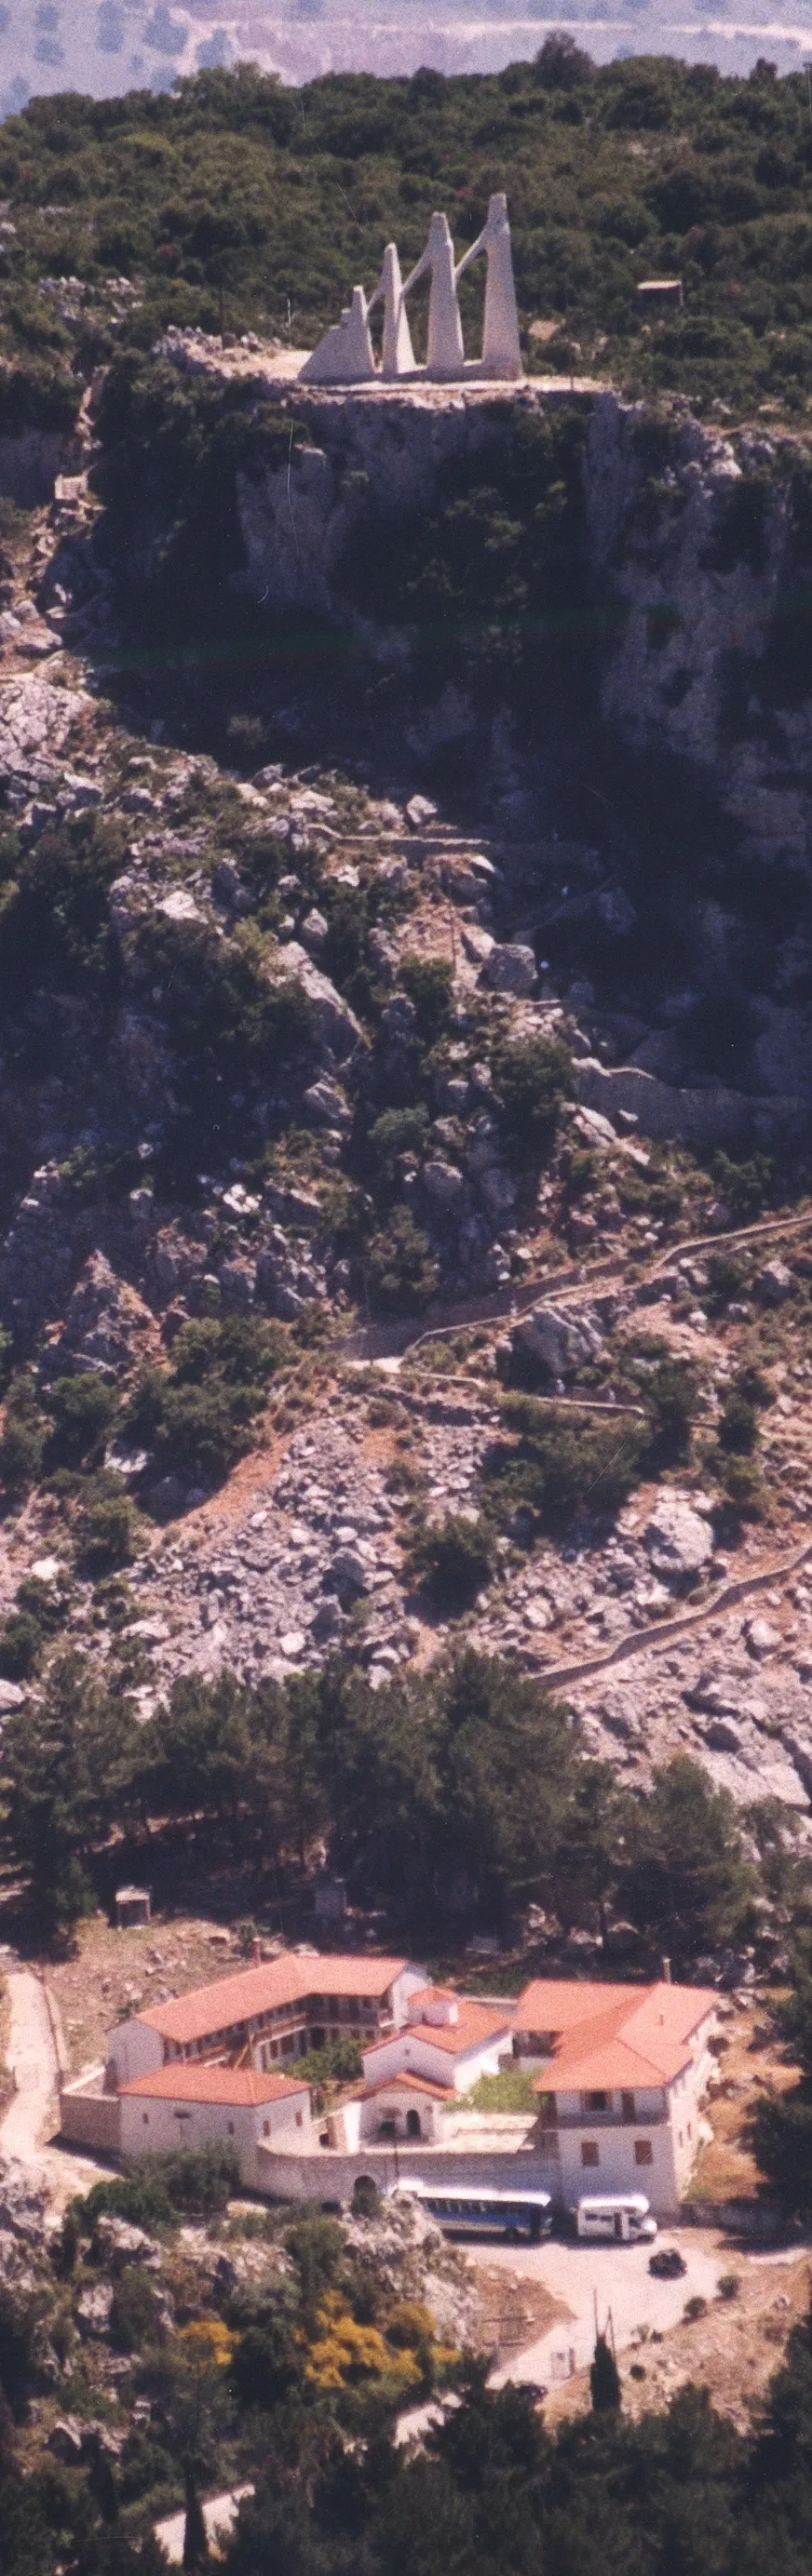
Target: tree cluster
456,1797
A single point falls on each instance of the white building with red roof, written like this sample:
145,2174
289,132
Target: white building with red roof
188,2105
269,2014
620,2072
445,2044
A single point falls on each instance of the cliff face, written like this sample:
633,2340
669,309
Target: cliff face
701,538
696,554
698,542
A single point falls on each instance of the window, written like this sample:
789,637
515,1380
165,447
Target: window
288,2044
145,2118
589,2152
266,2128
298,2119
627,2105
231,2128
643,2151
596,2101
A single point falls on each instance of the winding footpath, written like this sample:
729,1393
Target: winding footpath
32,2059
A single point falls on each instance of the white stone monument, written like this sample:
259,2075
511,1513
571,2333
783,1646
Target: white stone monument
501,350
345,356
397,357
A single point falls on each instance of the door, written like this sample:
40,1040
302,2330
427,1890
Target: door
412,2124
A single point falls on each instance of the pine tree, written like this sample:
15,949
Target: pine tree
603,2379
195,2541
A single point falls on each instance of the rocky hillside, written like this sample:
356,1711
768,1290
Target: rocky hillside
336,1310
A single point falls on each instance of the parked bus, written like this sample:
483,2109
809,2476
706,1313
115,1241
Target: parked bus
514,2213
625,2217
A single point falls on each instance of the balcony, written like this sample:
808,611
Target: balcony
618,2111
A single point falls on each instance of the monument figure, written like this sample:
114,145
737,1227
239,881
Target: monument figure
501,349
397,357
345,355
445,356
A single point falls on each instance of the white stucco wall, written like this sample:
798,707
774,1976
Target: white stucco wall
134,2049
404,2052
408,1983
151,2126
396,2106
616,2169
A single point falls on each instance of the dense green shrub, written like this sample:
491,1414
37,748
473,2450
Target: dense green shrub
428,982
453,1560
54,925
561,1464
21,1643
396,1132
403,1275
195,1416
107,1531
157,2190
82,1410
135,2312
738,1422
671,1398
38,397
531,1079
22,1440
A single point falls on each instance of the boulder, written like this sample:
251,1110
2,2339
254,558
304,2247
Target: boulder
326,1106
93,2312
510,969
678,1539
444,1185
23,2200
106,1323
332,1021
118,2244
762,1638
774,1283
349,1571
65,2441
559,1341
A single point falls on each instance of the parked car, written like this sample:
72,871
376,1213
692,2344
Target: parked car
667,2264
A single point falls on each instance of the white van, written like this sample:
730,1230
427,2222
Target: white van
622,2216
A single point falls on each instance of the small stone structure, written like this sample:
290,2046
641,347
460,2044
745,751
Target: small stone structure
133,1905
345,356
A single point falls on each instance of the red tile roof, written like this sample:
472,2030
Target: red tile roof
243,2086
620,2036
230,2001
474,2026
404,2083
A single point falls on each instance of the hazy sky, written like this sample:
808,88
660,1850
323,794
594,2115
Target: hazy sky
109,45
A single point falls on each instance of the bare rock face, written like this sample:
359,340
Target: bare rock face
326,1106
334,1024
23,2200
774,1284
35,721
105,1322
510,968
560,1342
762,1638
678,1540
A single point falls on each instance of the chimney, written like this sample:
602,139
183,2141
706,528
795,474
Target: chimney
666,1968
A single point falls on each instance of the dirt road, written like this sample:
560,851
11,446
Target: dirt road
32,2058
